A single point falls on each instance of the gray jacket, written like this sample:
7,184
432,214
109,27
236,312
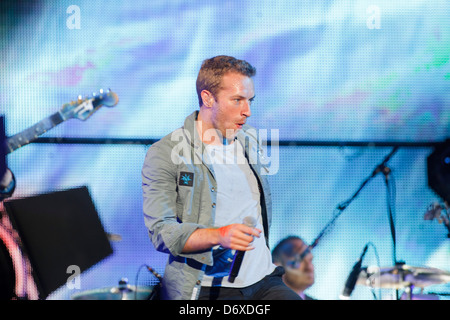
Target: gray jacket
179,191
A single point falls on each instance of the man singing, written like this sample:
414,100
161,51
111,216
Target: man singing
201,182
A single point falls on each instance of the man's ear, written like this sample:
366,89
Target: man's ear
208,98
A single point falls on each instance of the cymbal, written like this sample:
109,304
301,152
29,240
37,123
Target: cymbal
401,276
126,292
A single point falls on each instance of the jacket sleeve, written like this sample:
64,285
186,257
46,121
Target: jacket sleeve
159,186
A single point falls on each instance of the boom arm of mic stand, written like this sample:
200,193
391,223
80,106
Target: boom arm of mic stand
342,206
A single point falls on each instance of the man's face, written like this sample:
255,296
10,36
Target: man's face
231,107
299,275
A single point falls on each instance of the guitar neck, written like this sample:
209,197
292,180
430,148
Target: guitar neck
32,133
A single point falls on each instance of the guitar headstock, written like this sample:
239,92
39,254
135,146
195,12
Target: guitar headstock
84,107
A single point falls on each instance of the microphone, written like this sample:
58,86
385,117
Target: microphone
239,255
353,276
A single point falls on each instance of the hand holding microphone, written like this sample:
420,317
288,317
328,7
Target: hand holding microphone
249,230
239,236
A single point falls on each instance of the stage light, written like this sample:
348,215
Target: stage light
438,167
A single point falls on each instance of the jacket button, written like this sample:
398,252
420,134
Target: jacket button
213,205
213,189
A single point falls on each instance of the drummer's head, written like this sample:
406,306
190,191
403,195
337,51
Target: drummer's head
295,256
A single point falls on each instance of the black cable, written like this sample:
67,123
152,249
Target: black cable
391,193
377,257
390,199
136,280
155,288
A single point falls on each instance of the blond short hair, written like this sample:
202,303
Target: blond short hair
213,69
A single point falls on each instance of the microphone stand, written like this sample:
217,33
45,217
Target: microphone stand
342,206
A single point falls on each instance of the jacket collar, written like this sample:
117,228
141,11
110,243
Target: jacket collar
194,139
247,136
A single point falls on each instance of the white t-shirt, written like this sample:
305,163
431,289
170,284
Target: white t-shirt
238,196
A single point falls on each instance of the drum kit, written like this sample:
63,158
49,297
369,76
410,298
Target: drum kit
403,277
400,277
123,291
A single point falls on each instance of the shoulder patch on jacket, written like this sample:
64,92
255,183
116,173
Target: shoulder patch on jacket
186,179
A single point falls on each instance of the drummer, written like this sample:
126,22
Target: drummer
294,255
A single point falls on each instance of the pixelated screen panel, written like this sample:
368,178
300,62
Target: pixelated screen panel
326,70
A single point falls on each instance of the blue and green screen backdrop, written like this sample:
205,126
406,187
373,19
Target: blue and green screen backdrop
339,71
